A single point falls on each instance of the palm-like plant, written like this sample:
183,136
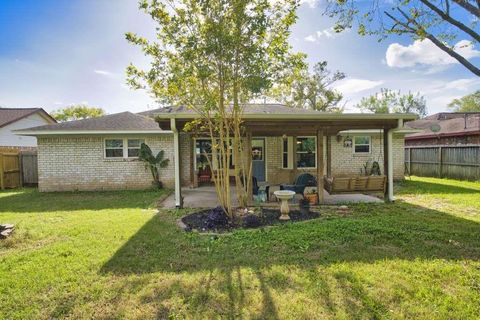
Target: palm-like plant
154,163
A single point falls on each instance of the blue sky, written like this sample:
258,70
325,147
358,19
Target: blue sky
54,53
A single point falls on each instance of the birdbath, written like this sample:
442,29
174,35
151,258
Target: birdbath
284,196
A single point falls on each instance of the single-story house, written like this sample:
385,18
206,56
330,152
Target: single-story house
445,129
20,118
101,153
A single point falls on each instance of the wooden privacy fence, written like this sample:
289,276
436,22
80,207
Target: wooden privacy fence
10,174
18,168
28,161
455,162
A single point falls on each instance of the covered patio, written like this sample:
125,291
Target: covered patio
205,197
285,123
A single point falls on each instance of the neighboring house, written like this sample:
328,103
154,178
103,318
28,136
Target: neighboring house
445,128
101,153
20,118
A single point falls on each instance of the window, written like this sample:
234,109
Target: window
257,150
287,153
122,148
114,148
306,152
134,147
203,152
361,144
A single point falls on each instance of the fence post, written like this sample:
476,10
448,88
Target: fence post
440,160
2,186
410,161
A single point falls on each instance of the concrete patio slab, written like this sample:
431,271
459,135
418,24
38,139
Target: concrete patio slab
205,197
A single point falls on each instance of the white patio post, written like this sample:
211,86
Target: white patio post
390,164
176,161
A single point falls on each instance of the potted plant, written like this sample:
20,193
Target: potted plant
312,196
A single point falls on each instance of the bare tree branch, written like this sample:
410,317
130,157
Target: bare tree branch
451,20
468,6
419,29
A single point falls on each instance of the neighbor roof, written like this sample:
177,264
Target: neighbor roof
114,123
445,124
10,115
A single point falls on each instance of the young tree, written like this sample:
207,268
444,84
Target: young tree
213,56
442,22
152,162
387,101
468,103
77,112
311,90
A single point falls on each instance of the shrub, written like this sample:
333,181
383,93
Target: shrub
252,221
216,218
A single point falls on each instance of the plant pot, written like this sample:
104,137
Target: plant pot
312,198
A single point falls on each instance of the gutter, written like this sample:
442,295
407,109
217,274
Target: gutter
304,116
86,132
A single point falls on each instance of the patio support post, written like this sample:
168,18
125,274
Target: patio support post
176,161
320,166
329,155
390,165
388,162
249,168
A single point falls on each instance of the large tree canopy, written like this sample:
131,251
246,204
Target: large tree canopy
443,22
390,101
468,103
77,112
306,90
212,56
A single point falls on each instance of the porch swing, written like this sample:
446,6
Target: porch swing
367,183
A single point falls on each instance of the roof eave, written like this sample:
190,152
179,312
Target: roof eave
304,116
85,132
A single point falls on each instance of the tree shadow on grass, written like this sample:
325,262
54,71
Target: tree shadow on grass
373,232
30,200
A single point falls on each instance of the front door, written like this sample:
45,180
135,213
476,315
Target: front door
258,158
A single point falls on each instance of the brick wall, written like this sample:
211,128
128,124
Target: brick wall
78,163
344,162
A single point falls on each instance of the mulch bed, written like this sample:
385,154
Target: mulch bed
267,217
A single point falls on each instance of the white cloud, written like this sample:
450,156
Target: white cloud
463,84
328,33
102,72
310,38
310,3
350,86
426,53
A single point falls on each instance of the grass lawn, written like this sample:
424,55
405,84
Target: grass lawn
110,255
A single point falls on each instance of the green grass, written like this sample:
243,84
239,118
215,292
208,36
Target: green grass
110,255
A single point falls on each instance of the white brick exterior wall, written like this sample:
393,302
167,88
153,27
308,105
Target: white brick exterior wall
77,163
345,162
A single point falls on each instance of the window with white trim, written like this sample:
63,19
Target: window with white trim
113,148
287,153
306,152
134,147
362,144
122,148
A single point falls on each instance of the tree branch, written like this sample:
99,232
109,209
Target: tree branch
451,20
432,38
469,7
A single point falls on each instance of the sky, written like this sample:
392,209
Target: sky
55,53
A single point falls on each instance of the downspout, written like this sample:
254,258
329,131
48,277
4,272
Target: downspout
176,160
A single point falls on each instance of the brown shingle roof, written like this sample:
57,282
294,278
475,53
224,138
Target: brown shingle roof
444,124
269,108
10,115
125,121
